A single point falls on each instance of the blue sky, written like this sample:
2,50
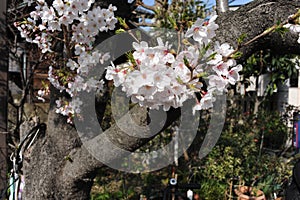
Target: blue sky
236,2
210,2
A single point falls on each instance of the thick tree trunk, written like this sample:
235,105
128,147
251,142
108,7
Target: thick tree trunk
59,167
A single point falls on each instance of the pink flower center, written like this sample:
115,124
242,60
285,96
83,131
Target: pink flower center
196,29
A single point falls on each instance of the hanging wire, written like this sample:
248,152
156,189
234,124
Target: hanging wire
16,179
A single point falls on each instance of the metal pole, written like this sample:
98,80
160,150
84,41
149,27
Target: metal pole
222,6
3,98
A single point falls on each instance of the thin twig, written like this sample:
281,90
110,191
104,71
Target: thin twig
145,24
141,3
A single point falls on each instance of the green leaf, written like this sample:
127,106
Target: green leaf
172,22
237,55
241,39
281,30
131,58
123,23
186,62
120,30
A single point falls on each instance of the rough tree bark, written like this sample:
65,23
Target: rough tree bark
49,175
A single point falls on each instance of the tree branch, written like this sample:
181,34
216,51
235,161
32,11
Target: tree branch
141,3
265,33
61,141
252,20
118,137
145,24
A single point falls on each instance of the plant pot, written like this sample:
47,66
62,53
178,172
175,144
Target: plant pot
249,193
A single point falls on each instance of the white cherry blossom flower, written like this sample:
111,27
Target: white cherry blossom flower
217,82
197,31
75,105
203,31
111,23
224,49
65,19
59,6
295,28
233,74
115,73
139,49
54,25
72,64
112,8
205,103
221,69
211,27
47,14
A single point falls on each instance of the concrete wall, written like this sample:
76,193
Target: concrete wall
294,96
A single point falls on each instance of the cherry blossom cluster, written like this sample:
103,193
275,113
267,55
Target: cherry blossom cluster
83,21
160,77
68,108
154,76
153,81
44,20
76,82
